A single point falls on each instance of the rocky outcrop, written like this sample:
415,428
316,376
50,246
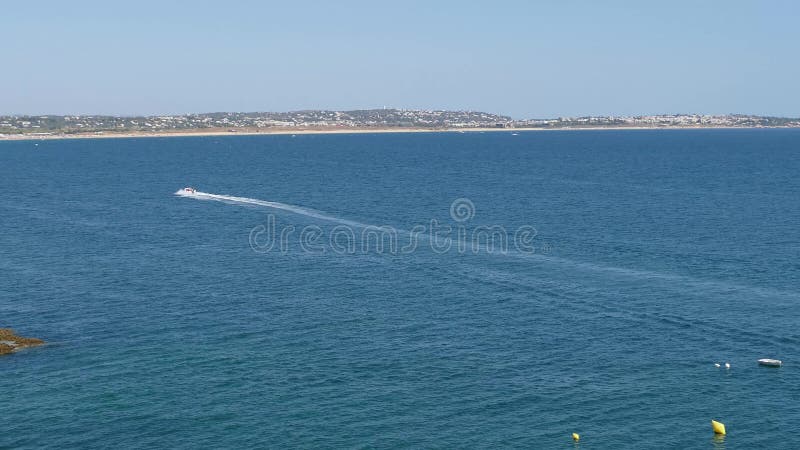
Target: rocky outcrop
10,342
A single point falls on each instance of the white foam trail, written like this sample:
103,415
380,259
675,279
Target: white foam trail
623,272
256,202
677,280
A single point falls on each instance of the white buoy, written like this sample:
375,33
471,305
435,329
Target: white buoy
770,362
727,365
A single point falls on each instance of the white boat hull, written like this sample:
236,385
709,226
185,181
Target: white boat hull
770,362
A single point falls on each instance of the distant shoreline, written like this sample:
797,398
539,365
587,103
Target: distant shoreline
307,131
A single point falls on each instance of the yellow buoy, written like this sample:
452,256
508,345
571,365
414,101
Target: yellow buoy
576,437
719,427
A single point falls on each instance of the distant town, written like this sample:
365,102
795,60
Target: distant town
374,119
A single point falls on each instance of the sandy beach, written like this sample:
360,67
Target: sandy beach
238,132
295,131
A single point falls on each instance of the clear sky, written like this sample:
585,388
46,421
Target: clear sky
526,59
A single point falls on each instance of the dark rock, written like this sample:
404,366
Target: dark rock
10,342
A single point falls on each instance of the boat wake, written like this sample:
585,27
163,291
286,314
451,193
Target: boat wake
664,278
245,201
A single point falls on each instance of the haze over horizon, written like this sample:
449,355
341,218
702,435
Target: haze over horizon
513,58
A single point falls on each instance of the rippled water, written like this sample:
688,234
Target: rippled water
657,254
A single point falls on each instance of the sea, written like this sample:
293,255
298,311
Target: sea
403,290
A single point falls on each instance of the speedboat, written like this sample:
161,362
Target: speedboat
189,190
770,362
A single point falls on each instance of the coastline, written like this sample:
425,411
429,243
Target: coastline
306,131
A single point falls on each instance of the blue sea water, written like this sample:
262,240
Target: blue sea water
657,254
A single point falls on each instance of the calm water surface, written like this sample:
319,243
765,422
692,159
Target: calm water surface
657,254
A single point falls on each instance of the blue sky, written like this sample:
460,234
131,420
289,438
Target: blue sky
522,58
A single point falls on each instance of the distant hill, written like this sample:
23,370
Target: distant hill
360,119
